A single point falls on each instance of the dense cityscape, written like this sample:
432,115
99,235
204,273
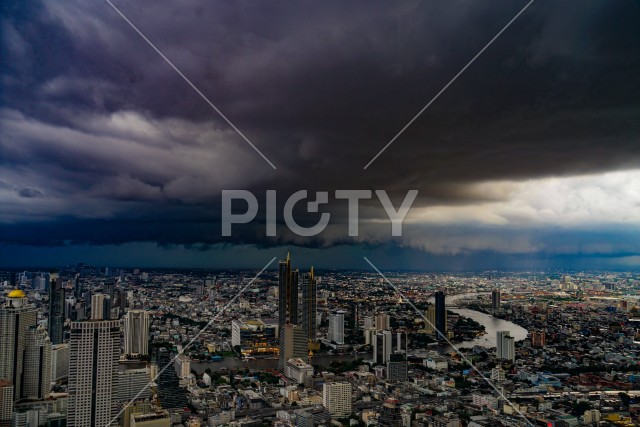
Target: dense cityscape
297,347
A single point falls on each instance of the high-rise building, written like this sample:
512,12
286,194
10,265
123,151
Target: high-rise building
496,300
200,287
441,316
182,366
121,300
36,375
56,309
100,307
40,282
170,394
397,367
287,293
109,288
383,322
59,361
430,324
6,402
390,414
505,346
293,344
78,289
132,384
382,346
336,327
16,317
303,418
94,351
336,398
136,333
369,322
309,304
402,342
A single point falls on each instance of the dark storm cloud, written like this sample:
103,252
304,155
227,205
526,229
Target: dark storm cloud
95,119
30,193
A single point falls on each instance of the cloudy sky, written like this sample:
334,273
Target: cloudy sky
530,159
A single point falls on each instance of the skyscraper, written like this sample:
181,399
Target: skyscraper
293,344
397,367
109,288
94,350
59,361
100,307
382,346
16,317
441,316
170,394
309,305
136,333
6,403
496,299
36,376
383,322
56,309
505,346
336,327
287,293
130,383
78,289
430,324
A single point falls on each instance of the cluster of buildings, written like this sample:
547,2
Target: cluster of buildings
129,348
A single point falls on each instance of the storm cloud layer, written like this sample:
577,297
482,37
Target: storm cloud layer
103,143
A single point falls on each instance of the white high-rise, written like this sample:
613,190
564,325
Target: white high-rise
505,346
336,327
36,375
136,333
336,398
100,307
94,350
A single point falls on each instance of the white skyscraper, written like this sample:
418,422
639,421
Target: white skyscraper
505,346
336,327
36,375
136,333
100,307
336,398
94,350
